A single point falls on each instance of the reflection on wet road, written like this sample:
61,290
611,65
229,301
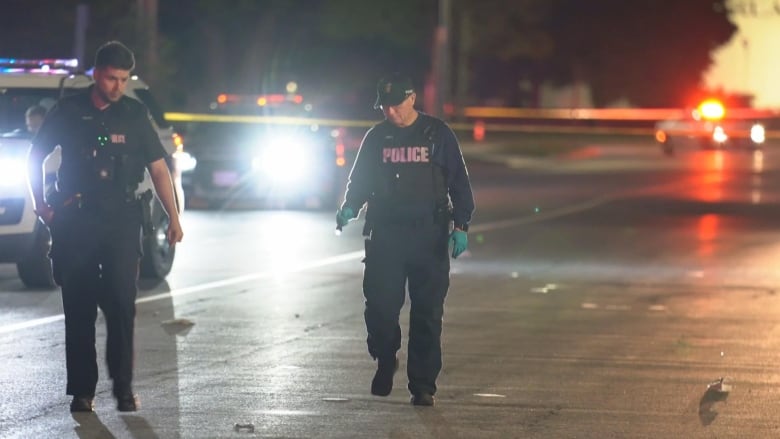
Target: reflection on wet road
602,295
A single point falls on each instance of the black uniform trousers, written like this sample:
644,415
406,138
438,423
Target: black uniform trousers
95,256
397,254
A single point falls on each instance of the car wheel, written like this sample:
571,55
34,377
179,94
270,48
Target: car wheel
35,269
667,147
157,260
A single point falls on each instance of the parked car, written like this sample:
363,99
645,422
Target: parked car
265,150
710,126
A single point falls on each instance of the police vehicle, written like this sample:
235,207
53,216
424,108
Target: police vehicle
262,151
710,126
24,239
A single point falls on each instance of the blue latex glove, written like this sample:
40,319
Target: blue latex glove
343,216
460,242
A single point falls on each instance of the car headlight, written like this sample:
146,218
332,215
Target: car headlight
185,161
757,133
13,172
719,135
284,160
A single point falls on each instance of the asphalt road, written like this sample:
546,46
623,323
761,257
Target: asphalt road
605,292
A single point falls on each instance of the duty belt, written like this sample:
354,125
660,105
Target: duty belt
419,221
79,201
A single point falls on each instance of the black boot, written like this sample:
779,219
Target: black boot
423,399
81,404
128,402
382,384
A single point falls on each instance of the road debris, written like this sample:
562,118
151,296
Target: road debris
249,427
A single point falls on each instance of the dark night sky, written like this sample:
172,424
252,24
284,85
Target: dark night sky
336,49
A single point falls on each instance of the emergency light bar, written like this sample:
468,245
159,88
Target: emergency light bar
45,65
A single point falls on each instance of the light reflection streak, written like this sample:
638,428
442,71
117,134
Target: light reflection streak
711,179
757,183
707,229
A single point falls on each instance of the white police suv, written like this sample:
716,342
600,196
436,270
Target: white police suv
24,239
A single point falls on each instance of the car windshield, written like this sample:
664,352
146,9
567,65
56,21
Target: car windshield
216,134
232,131
262,105
14,102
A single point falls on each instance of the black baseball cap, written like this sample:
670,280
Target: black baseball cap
392,90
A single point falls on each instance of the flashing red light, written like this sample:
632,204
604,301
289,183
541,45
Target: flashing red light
712,109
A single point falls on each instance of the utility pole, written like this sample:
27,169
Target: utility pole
463,66
147,36
80,37
441,59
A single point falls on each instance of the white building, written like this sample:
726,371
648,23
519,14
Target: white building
750,62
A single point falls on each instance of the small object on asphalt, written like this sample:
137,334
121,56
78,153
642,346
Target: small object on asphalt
719,385
177,326
249,428
180,322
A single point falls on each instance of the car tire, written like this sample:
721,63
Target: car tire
35,269
158,257
667,147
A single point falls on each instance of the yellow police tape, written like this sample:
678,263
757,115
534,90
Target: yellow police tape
572,115
282,120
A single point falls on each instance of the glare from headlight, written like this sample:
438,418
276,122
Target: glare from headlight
757,133
285,160
13,172
719,135
185,161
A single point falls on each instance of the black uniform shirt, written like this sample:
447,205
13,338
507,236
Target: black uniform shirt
441,149
79,128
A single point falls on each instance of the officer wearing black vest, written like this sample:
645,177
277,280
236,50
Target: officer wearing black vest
411,176
107,141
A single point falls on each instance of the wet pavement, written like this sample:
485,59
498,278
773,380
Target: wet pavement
594,302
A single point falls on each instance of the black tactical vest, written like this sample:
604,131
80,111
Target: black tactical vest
410,185
104,162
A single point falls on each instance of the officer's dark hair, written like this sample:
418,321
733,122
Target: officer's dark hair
114,54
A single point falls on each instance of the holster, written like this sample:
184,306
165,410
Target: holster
145,200
59,200
368,226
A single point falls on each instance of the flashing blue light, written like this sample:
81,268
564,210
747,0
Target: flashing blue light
46,65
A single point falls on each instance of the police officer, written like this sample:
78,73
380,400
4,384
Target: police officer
106,140
33,118
411,176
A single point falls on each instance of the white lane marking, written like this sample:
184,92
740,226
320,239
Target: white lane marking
495,225
549,214
490,395
250,277
7,329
